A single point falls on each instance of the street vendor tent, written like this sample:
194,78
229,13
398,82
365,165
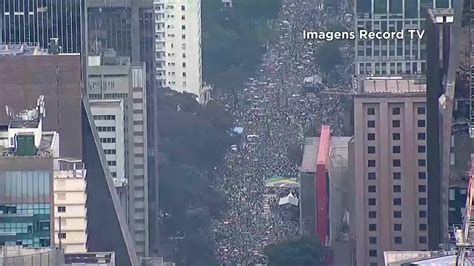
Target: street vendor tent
290,199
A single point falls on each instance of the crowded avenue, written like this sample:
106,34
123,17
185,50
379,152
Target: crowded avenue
274,110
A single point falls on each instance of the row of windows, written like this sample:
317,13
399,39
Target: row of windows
25,228
396,136
396,123
396,188
396,149
396,175
396,163
103,117
398,201
410,68
106,129
396,240
112,163
32,208
107,140
30,242
396,111
110,151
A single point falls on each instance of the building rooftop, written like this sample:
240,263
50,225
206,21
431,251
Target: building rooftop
391,85
339,153
20,49
310,155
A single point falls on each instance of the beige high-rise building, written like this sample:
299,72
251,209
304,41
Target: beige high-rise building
70,213
390,167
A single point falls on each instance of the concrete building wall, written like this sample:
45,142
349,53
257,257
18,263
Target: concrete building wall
109,114
70,214
390,175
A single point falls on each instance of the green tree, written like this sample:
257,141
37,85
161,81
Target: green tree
234,39
192,141
300,252
328,56
295,154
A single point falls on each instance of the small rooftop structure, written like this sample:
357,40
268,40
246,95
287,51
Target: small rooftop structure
24,135
391,85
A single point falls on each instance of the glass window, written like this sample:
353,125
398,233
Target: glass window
421,123
422,201
421,149
371,149
372,227
396,136
397,188
421,110
396,111
371,111
397,240
397,175
373,253
422,240
396,123
421,188
371,163
422,227
397,227
372,189
396,163
397,201
371,123
421,136
372,202
371,176
422,214
396,149
372,214
397,214
373,240
421,175
371,136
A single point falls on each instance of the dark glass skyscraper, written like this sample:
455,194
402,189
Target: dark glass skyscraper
36,21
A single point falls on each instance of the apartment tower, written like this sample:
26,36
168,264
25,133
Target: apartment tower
182,44
390,167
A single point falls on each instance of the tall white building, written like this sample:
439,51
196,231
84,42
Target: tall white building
159,7
179,22
109,120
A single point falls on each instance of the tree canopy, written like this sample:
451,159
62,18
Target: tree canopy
247,26
192,141
328,56
300,252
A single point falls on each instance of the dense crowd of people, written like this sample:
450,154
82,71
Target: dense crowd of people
276,112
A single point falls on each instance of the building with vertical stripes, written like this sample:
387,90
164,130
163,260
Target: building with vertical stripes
37,21
388,57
